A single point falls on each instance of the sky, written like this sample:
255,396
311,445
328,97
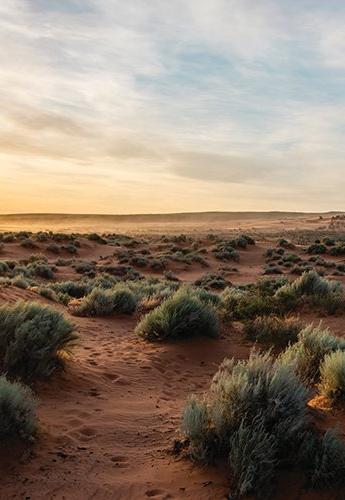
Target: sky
154,106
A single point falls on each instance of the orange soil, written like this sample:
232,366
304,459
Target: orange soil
108,422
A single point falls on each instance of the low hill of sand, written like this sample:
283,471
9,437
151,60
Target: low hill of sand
160,223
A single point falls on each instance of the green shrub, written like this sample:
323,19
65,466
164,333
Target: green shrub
32,339
307,354
323,459
17,411
28,243
4,268
332,375
252,457
273,330
255,413
182,315
102,302
317,248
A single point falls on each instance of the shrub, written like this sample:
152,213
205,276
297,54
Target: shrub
252,457
317,248
17,410
27,243
84,267
339,249
182,315
307,354
249,239
54,248
273,330
102,302
42,270
212,280
254,413
323,459
4,268
32,339
332,375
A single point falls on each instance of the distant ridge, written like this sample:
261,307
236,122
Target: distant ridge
168,217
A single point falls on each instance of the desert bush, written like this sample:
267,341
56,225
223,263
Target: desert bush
254,413
323,458
70,248
272,270
252,457
249,239
41,270
18,417
332,375
84,267
9,238
28,243
307,354
21,281
97,237
337,250
32,339
212,280
239,242
181,315
4,268
225,251
273,330
54,248
317,248
283,243
102,302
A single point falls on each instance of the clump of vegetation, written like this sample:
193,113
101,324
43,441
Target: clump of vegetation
273,330
18,417
283,243
255,415
97,238
226,251
213,280
28,243
317,248
332,375
338,249
307,354
102,302
180,316
33,339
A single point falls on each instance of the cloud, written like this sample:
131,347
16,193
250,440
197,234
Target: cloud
239,101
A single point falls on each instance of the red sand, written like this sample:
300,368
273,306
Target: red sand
107,424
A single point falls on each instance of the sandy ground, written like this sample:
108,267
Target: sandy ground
107,424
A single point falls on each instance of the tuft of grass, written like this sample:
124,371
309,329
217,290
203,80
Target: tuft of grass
332,375
100,302
18,417
181,315
254,413
32,339
273,330
307,354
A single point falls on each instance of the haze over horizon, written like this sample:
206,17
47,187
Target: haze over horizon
181,106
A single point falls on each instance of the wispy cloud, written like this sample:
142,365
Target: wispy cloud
165,106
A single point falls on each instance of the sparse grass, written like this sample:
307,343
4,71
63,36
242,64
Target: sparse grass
102,302
254,413
180,316
18,417
332,375
273,330
32,339
308,353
